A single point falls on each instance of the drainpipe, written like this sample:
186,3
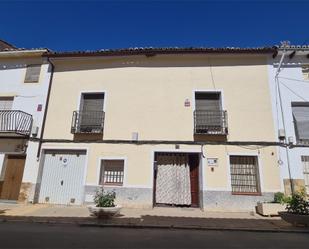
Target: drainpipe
283,120
52,67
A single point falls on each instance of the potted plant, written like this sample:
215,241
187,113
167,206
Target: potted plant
272,208
104,204
297,210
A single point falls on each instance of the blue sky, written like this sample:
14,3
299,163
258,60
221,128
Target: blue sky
89,25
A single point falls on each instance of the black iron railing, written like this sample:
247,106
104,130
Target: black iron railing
210,122
13,121
87,122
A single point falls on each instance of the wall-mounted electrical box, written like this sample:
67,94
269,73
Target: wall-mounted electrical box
212,162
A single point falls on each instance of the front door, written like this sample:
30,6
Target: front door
13,177
194,179
62,177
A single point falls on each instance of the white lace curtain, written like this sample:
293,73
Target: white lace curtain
173,180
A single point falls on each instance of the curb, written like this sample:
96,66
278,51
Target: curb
82,223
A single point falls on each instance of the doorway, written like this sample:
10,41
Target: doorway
176,179
13,175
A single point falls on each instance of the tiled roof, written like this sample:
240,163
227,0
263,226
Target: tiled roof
149,51
5,46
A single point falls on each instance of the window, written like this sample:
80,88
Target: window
305,160
244,175
111,172
301,121
208,115
305,71
6,103
91,113
32,73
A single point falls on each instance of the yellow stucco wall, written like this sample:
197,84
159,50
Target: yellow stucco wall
139,163
147,95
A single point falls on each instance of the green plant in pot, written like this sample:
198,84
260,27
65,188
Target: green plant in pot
105,206
102,199
297,210
298,204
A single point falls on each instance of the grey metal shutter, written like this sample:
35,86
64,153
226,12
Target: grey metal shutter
33,73
207,101
6,103
301,119
92,102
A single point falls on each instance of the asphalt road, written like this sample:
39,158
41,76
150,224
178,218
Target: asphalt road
26,235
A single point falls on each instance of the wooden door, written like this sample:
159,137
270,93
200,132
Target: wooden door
194,179
13,177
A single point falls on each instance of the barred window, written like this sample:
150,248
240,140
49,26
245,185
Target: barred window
305,160
112,172
305,71
244,175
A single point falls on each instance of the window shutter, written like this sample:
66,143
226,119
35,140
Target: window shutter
301,118
92,102
33,73
207,101
6,103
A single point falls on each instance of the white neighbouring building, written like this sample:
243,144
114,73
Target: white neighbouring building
289,87
24,82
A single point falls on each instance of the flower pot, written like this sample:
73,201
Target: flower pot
295,219
270,209
102,212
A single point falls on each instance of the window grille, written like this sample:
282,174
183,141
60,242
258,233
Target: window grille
305,71
112,172
244,174
305,160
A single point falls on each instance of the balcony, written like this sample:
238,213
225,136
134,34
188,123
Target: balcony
87,122
210,122
16,123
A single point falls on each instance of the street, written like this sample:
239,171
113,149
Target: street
31,235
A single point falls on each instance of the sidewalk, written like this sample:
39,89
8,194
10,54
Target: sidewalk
181,218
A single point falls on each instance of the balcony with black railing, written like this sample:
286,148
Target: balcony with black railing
16,123
89,122
210,122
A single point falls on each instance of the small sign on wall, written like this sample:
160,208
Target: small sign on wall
212,162
187,103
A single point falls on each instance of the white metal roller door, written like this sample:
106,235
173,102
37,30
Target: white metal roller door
63,177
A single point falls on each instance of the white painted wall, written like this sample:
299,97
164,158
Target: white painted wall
293,88
27,97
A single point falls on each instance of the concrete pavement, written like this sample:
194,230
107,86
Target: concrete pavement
184,218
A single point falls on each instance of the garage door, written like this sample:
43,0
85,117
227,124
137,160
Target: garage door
63,177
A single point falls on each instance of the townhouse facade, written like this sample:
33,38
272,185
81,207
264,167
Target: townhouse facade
24,81
177,127
289,86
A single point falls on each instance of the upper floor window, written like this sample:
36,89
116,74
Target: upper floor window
301,121
6,103
208,116
90,116
32,73
305,71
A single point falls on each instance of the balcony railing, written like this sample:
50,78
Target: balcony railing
87,122
15,122
210,122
